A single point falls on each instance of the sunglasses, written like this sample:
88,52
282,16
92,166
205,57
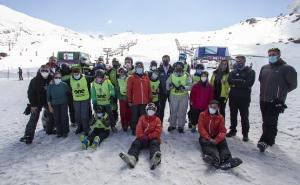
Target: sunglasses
56,77
44,71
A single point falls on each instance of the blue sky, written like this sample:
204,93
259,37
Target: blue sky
147,16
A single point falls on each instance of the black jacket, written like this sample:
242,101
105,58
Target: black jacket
37,91
163,77
276,81
241,82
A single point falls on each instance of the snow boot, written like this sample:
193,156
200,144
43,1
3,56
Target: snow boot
84,142
95,142
155,160
245,138
180,130
231,163
213,161
26,139
128,159
262,146
231,133
170,128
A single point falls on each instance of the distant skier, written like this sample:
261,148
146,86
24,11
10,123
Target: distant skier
276,79
99,129
20,72
211,128
148,133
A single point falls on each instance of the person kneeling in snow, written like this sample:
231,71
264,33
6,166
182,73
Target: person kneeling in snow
99,129
148,133
212,138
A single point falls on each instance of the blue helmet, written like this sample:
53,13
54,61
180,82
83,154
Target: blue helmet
182,56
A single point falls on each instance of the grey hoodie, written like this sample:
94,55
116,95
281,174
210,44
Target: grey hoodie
276,81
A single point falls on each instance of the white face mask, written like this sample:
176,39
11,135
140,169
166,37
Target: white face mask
150,112
139,70
212,110
57,81
122,76
128,66
154,76
77,76
45,74
153,68
203,78
100,115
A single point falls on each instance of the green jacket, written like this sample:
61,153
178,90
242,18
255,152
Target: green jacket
225,85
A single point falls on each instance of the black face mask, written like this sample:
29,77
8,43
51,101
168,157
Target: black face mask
166,62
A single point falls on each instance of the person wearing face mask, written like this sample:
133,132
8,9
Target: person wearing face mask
80,88
165,70
37,96
155,86
186,67
52,63
148,133
211,128
219,81
99,129
153,66
179,83
276,79
128,65
241,80
201,95
139,93
121,93
57,97
102,91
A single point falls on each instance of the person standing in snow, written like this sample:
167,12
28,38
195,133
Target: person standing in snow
241,80
139,93
20,72
211,128
201,95
154,81
276,79
165,70
148,133
128,65
57,97
179,83
186,67
37,96
52,63
219,81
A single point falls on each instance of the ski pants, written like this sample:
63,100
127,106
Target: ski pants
61,118
162,105
270,122
100,132
109,111
137,146
178,109
220,152
137,111
157,106
239,104
32,123
114,102
125,113
193,115
82,111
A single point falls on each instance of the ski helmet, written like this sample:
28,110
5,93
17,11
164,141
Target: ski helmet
100,73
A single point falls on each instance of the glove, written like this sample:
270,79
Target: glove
144,140
181,88
27,110
279,106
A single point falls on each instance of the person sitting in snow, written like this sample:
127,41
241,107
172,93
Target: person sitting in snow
99,129
148,133
212,132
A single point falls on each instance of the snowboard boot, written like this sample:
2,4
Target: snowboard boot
128,159
84,142
245,138
193,129
170,128
231,163
125,129
262,146
155,160
213,161
231,133
95,142
180,130
26,139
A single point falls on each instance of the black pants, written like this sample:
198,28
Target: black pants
157,106
242,105
162,105
20,77
222,105
61,119
32,123
137,111
102,133
114,102
220,152
193,115
270,122
137,146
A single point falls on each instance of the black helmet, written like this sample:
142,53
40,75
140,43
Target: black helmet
100,73
139,63
153,63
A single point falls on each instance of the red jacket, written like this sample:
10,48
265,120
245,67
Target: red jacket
211,127
139,89
201,96
149,126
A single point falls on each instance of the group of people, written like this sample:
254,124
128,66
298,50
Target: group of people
141,97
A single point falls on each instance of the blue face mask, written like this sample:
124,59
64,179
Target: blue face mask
239,66
273,59
139,70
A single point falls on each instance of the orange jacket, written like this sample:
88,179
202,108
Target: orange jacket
211,127
149,126
139,89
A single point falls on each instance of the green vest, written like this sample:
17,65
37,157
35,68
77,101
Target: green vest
154,89
178,81
225,86
66,77
102,92
123,86
185,67
195,79
101,123
113,76
79,88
